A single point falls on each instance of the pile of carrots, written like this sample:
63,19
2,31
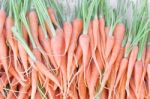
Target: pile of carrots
102,51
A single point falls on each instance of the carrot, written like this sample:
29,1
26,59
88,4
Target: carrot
84,42
2,97
148,75
4,54
94,38
34,83
42,68
122,70
102,30
24,90
14,73
58,46
109,45
95,24
9,35
138,70
131,63
11,93
93,81
2,19
78,54
33,22
38,96
47,46
22,52
118,35
50,91
104,94
81,86
77,28
67,26
52,15
23,57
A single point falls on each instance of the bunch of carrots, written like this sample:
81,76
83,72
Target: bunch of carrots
102,51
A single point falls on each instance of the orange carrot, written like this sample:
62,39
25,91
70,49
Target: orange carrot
9,35
24,90
118,35
138,70
4,54
14,73
148,75
52,16
131,63
95,24
33,22
77,28
67,26
109,45
42,68
78,53
47,46
23,57
81,86
58,46
84,42
2,19
37,95
122,69
104,94
102,30
93,80
34,83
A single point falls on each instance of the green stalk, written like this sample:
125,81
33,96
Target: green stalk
41,90
43,10
142,46
25,22
87,17
17,32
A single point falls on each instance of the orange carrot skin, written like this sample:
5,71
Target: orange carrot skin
42,68
77,29
47,46
102,30
51,14
4,53
109,45
24,89
148,74
95,24
34,83
58,46
138,70
81,87
2,19
122,69
132,60
84,42
119,33
67,26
